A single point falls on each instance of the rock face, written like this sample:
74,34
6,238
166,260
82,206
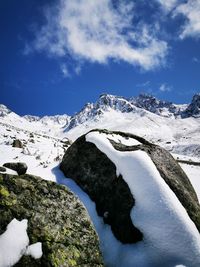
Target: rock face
19,167
96,175
194,107
17,143
56,218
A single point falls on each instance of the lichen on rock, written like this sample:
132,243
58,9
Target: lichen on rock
56,218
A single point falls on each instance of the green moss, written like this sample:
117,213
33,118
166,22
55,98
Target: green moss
9,202
65,256
72,262
58,258
4,192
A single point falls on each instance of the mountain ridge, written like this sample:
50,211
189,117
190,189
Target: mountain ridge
119,103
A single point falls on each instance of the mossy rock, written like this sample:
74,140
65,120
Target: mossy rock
56,218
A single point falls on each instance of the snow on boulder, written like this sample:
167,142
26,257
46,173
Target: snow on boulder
14,244
142,192
19,167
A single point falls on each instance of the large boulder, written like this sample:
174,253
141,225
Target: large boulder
97,175
19,167
56,218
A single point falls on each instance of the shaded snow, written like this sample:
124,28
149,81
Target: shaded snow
170,237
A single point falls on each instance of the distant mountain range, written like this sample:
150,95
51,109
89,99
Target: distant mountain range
175,127
106,102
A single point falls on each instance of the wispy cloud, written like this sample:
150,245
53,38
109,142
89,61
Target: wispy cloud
144,84
65,70
165,88
195,60
97,31
191,11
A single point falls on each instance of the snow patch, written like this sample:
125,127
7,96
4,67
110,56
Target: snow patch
35,250
127,141
14,242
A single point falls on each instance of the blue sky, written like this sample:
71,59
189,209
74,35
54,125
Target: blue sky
58,55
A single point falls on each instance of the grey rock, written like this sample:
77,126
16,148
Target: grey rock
17,143
19,167
96,175
194,107
2,169
56,218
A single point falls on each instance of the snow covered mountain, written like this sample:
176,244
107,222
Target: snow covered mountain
105,103
175,127
145,102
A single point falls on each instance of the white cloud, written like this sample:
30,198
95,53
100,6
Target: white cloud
144,84
165,88
64,70
168,5
191,11
96,31
77,69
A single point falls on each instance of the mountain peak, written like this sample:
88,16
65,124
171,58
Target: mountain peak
194,107
4,111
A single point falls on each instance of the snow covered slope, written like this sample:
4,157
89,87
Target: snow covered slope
174,127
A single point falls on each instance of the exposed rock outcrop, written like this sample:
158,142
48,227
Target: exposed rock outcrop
19,167
96,174
56,218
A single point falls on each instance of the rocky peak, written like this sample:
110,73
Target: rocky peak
4,111
194,107
31,118
154,105
118,103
